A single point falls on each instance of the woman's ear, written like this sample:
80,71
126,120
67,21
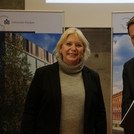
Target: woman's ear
60,49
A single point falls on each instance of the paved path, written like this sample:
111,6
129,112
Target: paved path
117,130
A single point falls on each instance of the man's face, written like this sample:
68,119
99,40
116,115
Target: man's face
131,33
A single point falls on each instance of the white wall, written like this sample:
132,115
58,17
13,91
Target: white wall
82,15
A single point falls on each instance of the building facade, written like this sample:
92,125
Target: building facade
116,103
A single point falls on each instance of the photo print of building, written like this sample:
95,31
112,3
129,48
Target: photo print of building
123,50
19,58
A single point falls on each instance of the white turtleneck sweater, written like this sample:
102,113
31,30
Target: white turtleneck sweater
73,98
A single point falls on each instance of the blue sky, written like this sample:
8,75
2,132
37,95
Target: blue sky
45,41
123,50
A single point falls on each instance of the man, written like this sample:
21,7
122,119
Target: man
128,75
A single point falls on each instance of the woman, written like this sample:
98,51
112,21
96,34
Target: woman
66,97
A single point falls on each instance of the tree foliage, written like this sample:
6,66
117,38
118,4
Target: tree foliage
15,85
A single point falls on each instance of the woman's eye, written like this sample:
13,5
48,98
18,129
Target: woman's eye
78,45
68,44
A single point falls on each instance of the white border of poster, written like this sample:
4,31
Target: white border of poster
123,50
37,21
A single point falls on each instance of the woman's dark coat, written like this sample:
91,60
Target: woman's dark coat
43,105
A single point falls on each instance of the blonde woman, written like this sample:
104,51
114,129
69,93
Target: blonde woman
66,97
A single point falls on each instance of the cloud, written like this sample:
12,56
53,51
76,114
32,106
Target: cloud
117,78
45,41
123,49
116,89
50,42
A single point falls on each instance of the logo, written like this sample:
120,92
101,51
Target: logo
3,21
124,22
6,21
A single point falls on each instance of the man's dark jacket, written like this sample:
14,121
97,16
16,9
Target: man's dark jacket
43,104
128,86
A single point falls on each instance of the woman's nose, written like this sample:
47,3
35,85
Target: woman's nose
73,47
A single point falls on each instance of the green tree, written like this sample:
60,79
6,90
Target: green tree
17,77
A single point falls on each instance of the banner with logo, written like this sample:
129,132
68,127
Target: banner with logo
123,50
40,27
34,21
27,41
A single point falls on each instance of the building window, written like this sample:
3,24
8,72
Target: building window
47,56
27,46
36,50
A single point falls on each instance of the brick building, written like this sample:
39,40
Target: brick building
116,103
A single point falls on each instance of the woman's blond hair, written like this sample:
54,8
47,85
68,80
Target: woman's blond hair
80,35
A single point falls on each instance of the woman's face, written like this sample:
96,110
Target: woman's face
72,50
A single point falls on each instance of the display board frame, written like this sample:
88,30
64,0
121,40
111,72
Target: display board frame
122,51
